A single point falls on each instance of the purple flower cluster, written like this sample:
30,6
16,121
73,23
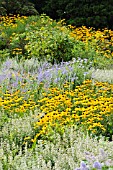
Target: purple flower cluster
13,73
97,165
103,161
56,73
83,166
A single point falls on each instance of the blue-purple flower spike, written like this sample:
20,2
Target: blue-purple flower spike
83,166
97,165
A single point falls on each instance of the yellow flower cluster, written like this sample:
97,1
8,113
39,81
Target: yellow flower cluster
11,20
10,26
16,102
88,105
17,51
101,40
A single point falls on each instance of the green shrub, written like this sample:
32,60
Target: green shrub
49,40
82,50
10,26
46,39
4,54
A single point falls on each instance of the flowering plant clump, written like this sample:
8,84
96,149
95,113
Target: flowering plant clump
83,166
57,41
87,106
10,26
102,75
64,152
101,40
56,100
22,84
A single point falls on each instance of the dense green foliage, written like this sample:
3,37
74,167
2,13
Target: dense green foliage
98,14
22,7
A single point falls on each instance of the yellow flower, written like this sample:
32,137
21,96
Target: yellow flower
27,138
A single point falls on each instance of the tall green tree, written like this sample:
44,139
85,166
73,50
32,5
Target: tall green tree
95,13
22,7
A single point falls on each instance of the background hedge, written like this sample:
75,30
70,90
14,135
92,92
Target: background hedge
91,13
